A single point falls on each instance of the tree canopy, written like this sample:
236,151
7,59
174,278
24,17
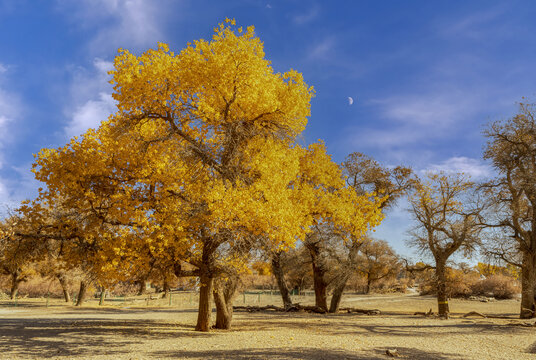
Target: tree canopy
199,163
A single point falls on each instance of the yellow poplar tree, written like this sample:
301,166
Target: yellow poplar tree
199,162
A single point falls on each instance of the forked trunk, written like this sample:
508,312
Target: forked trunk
441,281
64,287
337,294
82,293
224,293
528,281
206,283
277,270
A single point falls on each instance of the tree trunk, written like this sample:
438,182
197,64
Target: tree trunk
441,281
369,282
166,289
142,288
320,285
337,294
102,296
528,280
224,293
64,287
15,282
82,293
277,270
206,283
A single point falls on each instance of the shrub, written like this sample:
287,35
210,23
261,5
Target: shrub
459,283
38,286
498,286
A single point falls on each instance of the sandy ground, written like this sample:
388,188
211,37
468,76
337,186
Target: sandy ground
155,330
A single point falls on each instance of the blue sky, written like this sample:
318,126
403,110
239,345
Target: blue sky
425,76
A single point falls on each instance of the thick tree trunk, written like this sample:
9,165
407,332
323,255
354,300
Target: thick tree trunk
15,282
64,287
224,293
528,281
319,282
223,315
82,293
441,281
277,270
337,294
206,283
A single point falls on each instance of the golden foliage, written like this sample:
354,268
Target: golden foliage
201,152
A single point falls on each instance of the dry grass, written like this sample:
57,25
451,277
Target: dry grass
138,329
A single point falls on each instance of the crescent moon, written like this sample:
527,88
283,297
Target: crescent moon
350,100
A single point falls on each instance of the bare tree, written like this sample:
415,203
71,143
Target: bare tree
366,176
379,262
511,147
448,219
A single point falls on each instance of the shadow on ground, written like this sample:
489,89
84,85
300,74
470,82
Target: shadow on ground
532,349
350,325
102,335
48,338
302,353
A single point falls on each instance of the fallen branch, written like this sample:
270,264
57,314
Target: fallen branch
392,353
524,324
258,308
362,311
474,313
303,308
427,314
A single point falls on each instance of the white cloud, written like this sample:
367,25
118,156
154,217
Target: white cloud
90,115
438,108
91,96
6,199
4,193
323,49
3,68
131,24
10,109
385,138
119,23
89,82
419,118
103,66
461,164
477,26
21,185
308,16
